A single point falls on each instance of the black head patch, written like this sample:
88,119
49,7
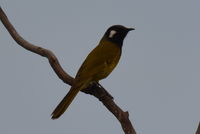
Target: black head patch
117,33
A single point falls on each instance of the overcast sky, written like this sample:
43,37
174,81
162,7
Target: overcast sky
157,79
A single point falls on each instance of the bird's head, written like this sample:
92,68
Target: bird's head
117,33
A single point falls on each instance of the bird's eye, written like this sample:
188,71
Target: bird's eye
112,33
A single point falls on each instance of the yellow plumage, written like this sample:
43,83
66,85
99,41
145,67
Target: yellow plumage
98,65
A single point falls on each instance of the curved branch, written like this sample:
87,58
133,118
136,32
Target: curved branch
97,90
36,49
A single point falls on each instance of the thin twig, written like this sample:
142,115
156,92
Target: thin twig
97,90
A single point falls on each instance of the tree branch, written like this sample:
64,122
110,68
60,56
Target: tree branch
198,129
97,90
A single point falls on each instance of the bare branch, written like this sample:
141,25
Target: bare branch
36,49
198,129
97,90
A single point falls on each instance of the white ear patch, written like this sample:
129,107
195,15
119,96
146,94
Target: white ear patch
112,33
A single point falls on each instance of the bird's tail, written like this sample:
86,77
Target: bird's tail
64,104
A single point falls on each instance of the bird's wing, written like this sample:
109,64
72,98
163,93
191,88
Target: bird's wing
101,61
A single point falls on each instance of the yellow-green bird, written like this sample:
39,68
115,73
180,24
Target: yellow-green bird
98,65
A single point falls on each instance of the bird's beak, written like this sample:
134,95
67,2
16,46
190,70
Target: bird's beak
130,29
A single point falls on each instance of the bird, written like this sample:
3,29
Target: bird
98,64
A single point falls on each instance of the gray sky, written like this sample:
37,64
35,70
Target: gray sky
157,79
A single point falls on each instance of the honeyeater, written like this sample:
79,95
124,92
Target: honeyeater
98,64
